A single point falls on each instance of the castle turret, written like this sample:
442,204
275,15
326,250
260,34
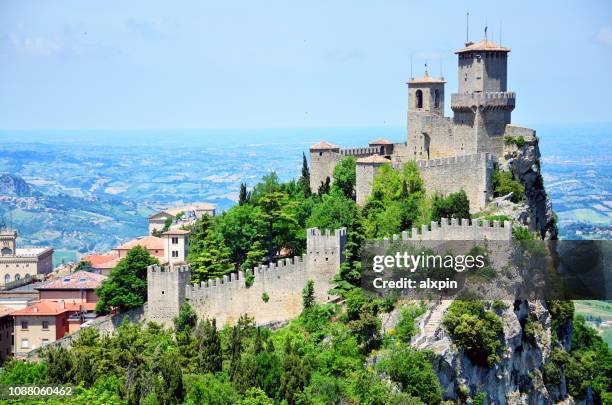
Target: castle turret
366,169
323,159
482,107
324,255
166,291
426,94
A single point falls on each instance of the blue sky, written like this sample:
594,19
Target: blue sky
262,64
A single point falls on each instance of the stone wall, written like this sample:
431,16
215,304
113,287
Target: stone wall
229,297
471,173
459,229
322,163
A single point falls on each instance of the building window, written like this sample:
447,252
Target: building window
419,99
7,279
45,324
6,251
45,341
175,240
437,98
175,253
25,343
17,276
24,324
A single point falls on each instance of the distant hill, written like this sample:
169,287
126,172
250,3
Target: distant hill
14,186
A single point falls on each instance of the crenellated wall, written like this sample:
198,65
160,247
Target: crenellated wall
362,152
228,297
459,229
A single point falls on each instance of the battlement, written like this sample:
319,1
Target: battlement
459,229
362,152
458,160
326,233
486,100
156,268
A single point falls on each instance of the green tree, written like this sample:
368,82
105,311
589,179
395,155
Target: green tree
126,285
412,370
209,258
276,222
455,205
238,228
505,183
209,357
325,187
167,378
243,195
295,374
84,265
304,181
308,296
59,365
186,318
345,177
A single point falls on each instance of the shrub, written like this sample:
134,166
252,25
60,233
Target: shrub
249,279
498,305
518,141
406,327
265,297
413,371
504,183
476,331
455,205
521,233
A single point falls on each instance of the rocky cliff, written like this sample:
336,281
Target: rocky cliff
522,159
518,377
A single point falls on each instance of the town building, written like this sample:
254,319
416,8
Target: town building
178,217
76,288
6,333
17,263
41,323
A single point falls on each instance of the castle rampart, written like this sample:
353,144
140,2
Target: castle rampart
472,173
459,229
228,297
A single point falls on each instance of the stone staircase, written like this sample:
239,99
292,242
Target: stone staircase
430,327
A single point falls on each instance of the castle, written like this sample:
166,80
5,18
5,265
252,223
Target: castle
21,263
275,294
451,153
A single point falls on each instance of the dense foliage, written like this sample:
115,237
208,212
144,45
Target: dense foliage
504,183
317,359
475,330
126,286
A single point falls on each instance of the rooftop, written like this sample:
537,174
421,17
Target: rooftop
177,232
46,307
373,159
323,145
148,242
380,141
484,45
96,260
80,280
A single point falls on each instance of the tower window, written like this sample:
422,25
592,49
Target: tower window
437,98
419,99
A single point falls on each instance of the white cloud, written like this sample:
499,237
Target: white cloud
36,46
604,36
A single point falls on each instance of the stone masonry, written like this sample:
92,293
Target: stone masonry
452,153
225,299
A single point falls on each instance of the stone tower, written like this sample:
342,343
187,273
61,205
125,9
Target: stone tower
324,255
166,287
323,159
366,169
482,107
425,109
8,242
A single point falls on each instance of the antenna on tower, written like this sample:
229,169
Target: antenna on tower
467,28
411,75
486,28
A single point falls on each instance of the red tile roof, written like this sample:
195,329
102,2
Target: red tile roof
483,45
53,307
380,141
373,159
323,145
148,242
97,260
80,280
